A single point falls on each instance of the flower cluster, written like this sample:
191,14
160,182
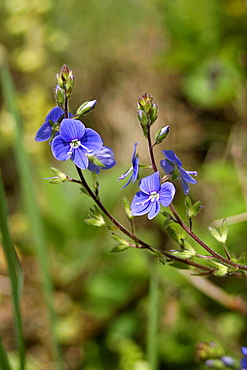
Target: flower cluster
69,137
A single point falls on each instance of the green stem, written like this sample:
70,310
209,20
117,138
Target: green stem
202,244
153,318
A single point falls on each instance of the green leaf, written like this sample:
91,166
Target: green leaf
224,230
119,248
120,240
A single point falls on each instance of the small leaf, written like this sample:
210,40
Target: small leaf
215,233
126,205
120,240
224,230
119,248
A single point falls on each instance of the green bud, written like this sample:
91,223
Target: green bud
161,134
98,222
153,113
119,248
126,205
60,176
146,102
192,209
95,218
59,95
86,108
221,270
183,254
95,161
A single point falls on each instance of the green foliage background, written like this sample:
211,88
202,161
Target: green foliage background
191,56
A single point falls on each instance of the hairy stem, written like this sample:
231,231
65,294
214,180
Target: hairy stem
140,243
202,244
150,148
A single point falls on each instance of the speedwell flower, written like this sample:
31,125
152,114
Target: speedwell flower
105,156
173,165
244,359
47,129
134,168
152,194
76,142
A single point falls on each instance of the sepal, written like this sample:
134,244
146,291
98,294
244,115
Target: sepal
95,218
59,178
192,209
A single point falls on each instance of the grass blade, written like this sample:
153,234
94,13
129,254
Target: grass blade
15,274
30,201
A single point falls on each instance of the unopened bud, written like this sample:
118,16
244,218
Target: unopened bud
86,108
153,113
59,95
161,134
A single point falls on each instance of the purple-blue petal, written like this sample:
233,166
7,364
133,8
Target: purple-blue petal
71,129
135,170
44,132
166,194
171,156
54,114
185,186
167,167
186,177
134,153
140,204
244,351
154,210
150,183
91,140
106,156
60,148
79,158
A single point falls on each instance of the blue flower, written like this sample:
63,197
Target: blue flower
244,359
134,168
76,142
173,165
46,130
152,194
106,156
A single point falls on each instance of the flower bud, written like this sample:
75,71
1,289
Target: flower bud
146,102
59,95
86,108
61,177
161,134
153,113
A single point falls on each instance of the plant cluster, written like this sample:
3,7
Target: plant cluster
70,139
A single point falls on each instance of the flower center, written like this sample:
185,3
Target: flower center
74,144
154,196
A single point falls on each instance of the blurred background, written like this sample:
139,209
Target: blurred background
190,55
